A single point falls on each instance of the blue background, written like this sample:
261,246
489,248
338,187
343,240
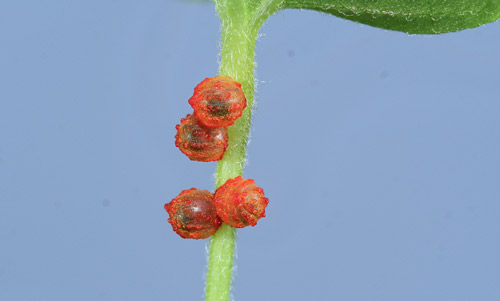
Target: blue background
379,152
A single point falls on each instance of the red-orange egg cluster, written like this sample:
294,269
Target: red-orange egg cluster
197,213
198,142
217,103
192,214
202,136
240,202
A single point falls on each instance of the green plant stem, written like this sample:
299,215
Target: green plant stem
237,62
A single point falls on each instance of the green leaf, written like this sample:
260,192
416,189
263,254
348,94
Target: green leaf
410,16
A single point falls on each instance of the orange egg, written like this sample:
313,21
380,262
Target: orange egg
198,142
240,202
218,101
192,214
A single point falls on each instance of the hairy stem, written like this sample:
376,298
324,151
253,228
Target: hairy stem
237,62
